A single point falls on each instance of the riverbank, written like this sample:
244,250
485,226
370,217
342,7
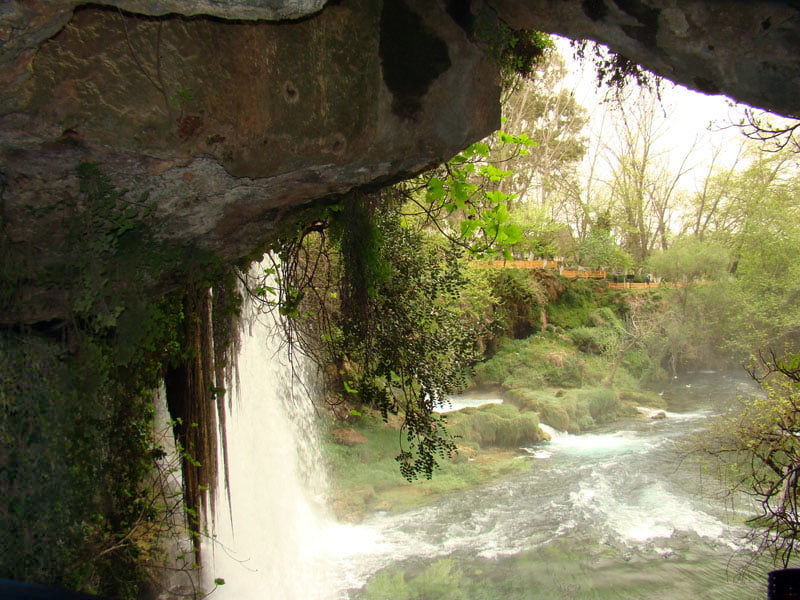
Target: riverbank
365,478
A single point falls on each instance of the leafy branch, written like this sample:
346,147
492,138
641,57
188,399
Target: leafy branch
462,200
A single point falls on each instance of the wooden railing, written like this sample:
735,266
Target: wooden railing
579,273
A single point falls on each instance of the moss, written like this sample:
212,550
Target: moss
499,425
83,391
603,403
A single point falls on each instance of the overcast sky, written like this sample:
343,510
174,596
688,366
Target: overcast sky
685,116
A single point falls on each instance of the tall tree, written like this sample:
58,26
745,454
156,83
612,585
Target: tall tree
549,114
644,191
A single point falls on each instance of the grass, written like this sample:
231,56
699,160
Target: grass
366,477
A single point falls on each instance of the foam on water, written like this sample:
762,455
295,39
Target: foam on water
552,431
591,443
459,402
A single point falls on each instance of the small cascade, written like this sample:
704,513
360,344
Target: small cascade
552,431
266,534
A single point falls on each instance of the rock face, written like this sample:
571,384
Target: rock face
747,50
228,120
229,125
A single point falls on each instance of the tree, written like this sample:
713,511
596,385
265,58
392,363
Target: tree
375,303
759,449
550,116
600,250
690,259
758,220
636,329
644,192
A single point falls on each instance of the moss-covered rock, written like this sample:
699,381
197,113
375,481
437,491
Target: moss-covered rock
499,425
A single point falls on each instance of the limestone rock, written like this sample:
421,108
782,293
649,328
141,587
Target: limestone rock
747,50
230,122
231,126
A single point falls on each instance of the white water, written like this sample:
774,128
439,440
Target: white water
460,401
610,496
267,543
613,508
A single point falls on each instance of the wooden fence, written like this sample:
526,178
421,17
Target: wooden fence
579,273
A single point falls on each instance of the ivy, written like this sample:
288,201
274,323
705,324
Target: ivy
76,405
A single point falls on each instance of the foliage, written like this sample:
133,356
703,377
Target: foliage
546,111
85,508
79,512
411,348
599,250
521,300
517,52
535,362
378,298
573,307
595,340
461,201
690,259
365,476
759,451
615,70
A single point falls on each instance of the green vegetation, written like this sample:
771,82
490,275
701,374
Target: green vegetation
366,478
82,475
756,450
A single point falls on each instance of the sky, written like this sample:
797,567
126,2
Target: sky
686,118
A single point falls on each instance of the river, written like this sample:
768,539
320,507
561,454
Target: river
617,513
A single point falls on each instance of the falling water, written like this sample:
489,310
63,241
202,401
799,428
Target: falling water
266,539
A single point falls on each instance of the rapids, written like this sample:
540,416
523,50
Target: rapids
617,513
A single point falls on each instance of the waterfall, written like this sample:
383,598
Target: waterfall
267,541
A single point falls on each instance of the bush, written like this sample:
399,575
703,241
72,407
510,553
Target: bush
603,316
591,339
603,403
638,363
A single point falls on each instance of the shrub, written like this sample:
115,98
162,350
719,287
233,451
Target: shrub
603,316
603,403
638,363
591,339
